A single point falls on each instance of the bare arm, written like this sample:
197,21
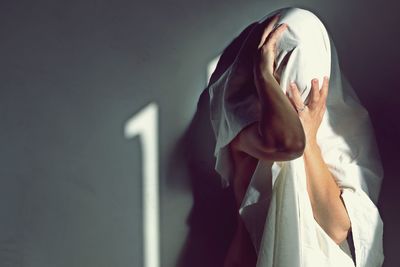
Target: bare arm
325,196
328,208
279,134
280,127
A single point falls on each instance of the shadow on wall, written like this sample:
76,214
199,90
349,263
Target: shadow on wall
212,220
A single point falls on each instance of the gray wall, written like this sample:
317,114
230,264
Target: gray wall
73,72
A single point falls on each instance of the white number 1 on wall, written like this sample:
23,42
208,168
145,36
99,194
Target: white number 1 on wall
145,125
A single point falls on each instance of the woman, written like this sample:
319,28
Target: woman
303,183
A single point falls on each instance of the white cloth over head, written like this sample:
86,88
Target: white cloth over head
276,208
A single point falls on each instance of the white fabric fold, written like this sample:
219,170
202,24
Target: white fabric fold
276,208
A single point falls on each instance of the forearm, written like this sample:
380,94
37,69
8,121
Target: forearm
279,124
328,208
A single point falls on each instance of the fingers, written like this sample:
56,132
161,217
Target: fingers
318,96
325,87
273,37
296,98
314,92
265,56
268,30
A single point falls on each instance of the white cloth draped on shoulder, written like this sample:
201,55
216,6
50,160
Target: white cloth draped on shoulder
276,208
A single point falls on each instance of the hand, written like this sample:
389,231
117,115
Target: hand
311,115
264,60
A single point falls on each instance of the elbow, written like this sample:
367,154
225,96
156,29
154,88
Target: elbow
339,232
289,145
339,235
289,142
292,147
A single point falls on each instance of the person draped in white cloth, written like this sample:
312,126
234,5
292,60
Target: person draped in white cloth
298,147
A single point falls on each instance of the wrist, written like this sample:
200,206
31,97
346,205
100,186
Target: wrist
311,145
265,79
267,87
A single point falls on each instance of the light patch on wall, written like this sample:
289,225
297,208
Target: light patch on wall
145,125
211,67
